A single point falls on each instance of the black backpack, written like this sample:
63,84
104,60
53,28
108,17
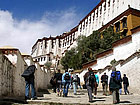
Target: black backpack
29,71
67,76
104,78
91,79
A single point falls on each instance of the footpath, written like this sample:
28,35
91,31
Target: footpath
80,99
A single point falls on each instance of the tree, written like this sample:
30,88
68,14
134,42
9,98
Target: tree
48,65
66,60
88,47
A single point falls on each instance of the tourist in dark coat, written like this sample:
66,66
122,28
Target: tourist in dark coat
58,77
29,80
104,81
90,83
125,84
114,86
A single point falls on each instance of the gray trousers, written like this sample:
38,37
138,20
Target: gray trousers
105,86
89,89
116,96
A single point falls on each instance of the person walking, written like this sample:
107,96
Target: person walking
115,85
28,74
79,82
58,77
74,83
125,84
89,78
96,83
66,80
104,81
53,82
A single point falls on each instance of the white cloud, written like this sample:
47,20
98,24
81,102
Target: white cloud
24,33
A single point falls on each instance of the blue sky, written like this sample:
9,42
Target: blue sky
22,22
34,9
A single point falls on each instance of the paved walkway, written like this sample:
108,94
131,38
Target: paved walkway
82,99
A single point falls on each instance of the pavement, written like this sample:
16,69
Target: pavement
81,98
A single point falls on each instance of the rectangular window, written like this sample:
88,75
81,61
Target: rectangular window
38,59
105,7
52,44
59,43
89,19
113,1
100,10
49,58
44,58
109,3
124,22
87,23
117,25
45,43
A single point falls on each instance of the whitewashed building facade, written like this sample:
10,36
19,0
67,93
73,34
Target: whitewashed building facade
121,14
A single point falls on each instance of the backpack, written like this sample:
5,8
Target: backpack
75,79
104,78
67,76
29,71
53,81
91,79
117,74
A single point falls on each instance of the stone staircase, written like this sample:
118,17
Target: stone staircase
80,99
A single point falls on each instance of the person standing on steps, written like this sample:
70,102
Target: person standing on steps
66,80
115,85
79,82
28,74
74,83
125,84
58,77
89,78
104,81
53,82
96,83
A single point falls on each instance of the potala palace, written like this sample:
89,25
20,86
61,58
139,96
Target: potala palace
123,15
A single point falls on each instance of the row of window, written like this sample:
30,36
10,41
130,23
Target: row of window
98,10
42,59
66,41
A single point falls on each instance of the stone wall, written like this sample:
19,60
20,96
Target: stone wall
42,78
19,82
6,76
11,82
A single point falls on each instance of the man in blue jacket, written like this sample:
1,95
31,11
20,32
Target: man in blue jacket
66,79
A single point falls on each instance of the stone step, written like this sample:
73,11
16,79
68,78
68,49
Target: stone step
80,99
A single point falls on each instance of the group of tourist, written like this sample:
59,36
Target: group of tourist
91,79
65,81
